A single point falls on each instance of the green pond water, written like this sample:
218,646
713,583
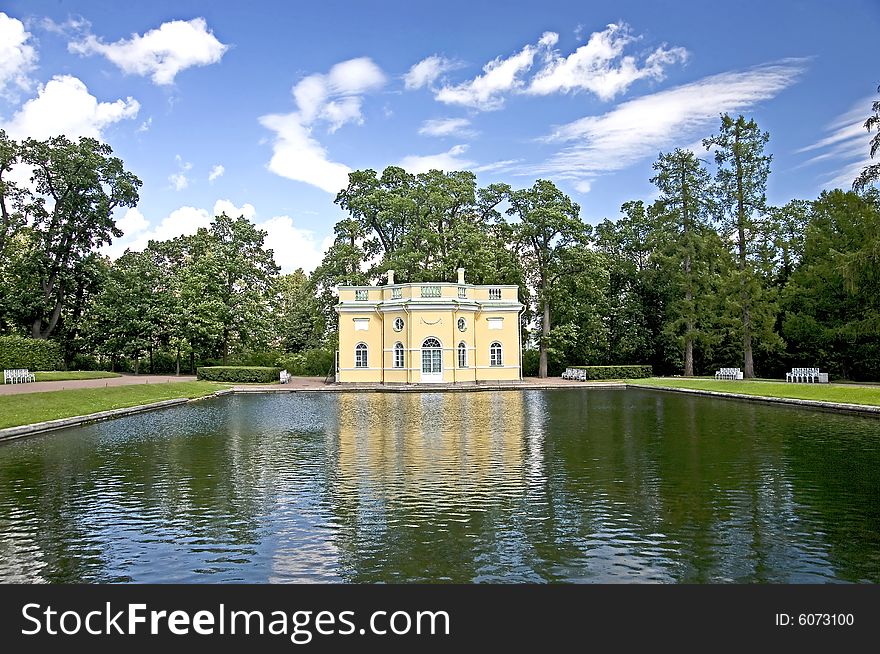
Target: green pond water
516,486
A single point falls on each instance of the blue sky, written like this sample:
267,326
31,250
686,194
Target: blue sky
262,108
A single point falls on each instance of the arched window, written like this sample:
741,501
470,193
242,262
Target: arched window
432,357
398,355
462,355
495,358
360,355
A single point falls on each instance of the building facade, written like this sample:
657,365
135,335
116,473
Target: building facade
429,333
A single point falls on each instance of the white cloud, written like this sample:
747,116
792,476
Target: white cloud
160,53
17,57
298,156
65,106
583,186
447,127
640,128
500,76
216,172
294,247
145,126
427,71
333,98
846,146
226,206
447,161
183,221
179,180
132,222
600,67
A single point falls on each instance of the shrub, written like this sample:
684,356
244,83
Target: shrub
238,374
30,353
316,362
616,372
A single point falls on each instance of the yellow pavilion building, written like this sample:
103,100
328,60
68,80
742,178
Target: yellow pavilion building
429,333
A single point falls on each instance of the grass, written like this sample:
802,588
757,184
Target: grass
28,408
821,392
74,374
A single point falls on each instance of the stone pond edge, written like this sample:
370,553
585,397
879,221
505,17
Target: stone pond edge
11,433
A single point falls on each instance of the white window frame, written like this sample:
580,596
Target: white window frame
461,323
361,356
462,355
496,355
397,321
399,360
396,293
494,293
462,293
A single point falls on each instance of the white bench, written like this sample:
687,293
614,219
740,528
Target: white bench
729,373
576,374
284,377
18,376
806,376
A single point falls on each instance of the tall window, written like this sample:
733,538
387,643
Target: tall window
398,355
360,295
360,355
494,293
495,358
432,356
462,355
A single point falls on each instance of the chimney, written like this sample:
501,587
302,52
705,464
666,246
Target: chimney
390,277
461,275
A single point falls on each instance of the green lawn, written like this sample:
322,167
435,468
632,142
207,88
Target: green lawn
822,392
74,374
28,408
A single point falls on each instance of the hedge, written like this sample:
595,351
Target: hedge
30,353
316,362
616,372
238,374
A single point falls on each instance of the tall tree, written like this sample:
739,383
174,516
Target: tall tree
549,228
77,187
686,202
741,181
298,322
871,172
245,269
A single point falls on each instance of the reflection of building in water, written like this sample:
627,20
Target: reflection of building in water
449,445
424,477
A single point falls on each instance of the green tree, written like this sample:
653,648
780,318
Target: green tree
549,229
77,187
741,181
832,303
298,321
871,172
685,207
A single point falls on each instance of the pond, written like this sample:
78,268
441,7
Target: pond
515,486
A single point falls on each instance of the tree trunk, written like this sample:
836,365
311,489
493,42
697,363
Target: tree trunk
545,334
748,364
137,363
192,362
152,370
177,370
225,344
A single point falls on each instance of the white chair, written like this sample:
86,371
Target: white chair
284,377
